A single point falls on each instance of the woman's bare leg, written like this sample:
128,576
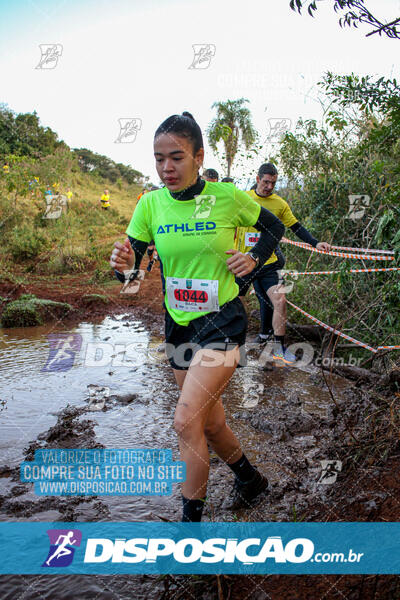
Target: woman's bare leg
219,435
201,389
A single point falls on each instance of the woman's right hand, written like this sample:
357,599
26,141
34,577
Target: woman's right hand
122,257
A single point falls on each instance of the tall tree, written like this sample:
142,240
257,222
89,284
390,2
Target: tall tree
233,126
357,14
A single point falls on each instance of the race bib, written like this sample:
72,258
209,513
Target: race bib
192,295
251,238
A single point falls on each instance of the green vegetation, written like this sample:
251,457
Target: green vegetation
100,165
234,128
29,311
356,14
95,299
80,240
356,152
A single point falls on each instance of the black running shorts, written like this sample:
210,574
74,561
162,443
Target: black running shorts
222,330
266,278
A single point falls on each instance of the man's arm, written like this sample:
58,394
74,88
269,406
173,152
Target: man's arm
306,237
272,230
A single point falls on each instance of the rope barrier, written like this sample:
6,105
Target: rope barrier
331,253
363,250
340,333
348,271
332,329
390,256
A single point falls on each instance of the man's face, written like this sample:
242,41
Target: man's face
266,184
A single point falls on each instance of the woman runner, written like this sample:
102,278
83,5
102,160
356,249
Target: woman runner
193,224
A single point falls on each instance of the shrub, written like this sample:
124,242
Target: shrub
25,243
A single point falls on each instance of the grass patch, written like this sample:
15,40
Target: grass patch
29,311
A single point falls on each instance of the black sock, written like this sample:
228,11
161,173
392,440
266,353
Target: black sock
192,509
280,339
243,470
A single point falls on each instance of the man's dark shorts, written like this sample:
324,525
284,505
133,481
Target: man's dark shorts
222,330
265,277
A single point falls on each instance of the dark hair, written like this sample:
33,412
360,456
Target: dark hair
185,126
211,173
267,169
227,180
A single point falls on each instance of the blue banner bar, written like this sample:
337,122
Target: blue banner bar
103,472
199,548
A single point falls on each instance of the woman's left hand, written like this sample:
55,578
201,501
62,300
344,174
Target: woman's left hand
240,264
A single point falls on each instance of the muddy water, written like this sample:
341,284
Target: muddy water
124,397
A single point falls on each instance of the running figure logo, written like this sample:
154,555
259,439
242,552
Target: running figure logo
63,348
277,129
286,281
55,206
63,543
330,471
252,392
50,55
128,129
358,205
203,208
203,54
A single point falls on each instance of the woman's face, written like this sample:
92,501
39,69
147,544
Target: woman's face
176,166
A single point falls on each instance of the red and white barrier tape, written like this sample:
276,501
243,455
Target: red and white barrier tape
349,271
331,253
388,347
363,250
332,329
340,333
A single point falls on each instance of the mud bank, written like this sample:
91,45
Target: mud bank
88,300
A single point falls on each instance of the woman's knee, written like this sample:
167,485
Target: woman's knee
185,424
214,428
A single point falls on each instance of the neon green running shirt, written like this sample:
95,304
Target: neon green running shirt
191,237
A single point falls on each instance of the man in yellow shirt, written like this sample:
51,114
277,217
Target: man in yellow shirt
69,194
105,200
265,278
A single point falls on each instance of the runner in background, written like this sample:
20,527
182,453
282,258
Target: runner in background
152,254
144,191
267,285
193,224
210,175
6,169
105,200
69,194
33,184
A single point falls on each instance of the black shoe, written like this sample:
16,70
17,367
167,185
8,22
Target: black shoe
243,495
